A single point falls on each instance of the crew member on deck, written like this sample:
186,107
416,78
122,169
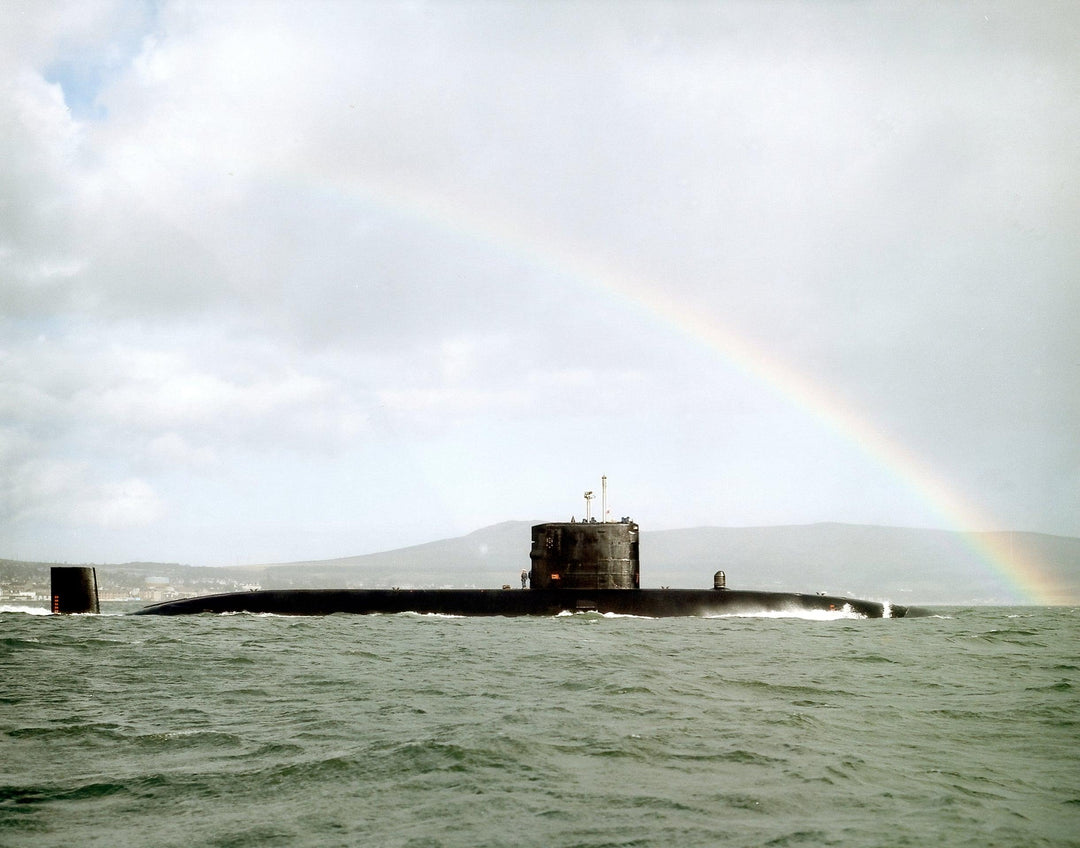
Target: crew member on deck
524,578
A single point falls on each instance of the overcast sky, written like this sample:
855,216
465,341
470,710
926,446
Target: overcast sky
289,281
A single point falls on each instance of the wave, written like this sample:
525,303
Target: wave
844,614
25,609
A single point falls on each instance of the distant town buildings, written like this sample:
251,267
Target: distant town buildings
28,583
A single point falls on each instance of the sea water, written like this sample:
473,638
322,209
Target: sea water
580,730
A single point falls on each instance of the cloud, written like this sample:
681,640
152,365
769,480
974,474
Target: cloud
373,235
64,493
173,450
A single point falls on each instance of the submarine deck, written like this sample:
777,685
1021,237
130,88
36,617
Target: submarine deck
655,603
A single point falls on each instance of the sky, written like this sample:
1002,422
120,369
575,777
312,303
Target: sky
285,281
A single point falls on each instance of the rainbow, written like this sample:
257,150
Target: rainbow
508,233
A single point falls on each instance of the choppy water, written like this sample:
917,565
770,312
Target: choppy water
572,731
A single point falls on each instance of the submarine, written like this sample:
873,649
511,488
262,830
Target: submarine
577,567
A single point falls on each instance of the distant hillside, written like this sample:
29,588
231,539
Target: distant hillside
892,563
487,558
900,564
886,563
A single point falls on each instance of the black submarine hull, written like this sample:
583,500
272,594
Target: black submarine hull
653,603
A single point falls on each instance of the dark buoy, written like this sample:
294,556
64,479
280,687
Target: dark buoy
74,589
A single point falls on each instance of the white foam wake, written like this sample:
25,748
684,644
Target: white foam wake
845,612
24,609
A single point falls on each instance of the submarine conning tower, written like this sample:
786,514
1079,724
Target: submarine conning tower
585,555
